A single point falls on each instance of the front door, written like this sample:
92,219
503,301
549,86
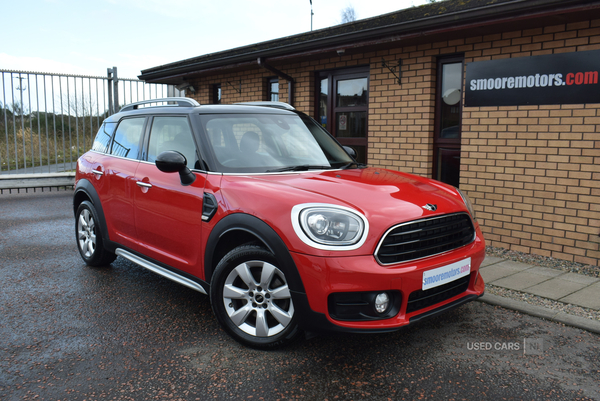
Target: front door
343,107
447,134
168,215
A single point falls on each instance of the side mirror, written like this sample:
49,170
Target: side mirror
171,161
350,151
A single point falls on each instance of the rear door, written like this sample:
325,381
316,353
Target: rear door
114,180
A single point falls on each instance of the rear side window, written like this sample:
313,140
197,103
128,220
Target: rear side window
127,138
102,141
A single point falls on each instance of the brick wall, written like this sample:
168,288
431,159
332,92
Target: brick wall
532,172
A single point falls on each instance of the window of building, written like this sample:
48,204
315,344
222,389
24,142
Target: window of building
273,90
216,94
447,132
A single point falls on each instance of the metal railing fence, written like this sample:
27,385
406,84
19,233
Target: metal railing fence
48,120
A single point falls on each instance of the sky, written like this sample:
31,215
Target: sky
85,37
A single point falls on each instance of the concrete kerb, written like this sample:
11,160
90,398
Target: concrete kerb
544,313
10,182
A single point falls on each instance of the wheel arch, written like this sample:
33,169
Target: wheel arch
85,191
239,229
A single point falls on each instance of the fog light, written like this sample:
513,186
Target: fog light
381,302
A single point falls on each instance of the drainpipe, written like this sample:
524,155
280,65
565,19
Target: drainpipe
280,74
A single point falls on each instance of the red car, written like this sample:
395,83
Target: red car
264,211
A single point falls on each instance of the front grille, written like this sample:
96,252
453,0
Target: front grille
422,299
427,237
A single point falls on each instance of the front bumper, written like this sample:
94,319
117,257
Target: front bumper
323,276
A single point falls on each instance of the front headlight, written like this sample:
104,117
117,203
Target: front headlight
329,227
468,203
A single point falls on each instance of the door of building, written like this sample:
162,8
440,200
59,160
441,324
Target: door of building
448,112
343,104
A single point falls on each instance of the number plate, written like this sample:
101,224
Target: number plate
446,274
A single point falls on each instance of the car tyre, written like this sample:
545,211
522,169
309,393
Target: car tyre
89,237
251,299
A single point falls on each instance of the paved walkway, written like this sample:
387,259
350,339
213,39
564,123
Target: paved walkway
554,284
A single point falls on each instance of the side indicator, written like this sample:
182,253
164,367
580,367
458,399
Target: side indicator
209,206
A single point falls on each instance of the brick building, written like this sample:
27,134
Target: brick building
404,89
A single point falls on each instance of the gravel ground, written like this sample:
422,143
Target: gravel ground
544,261
559,264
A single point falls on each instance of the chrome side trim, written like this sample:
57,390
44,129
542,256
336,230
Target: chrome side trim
160,270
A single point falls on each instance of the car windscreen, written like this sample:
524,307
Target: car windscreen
262,143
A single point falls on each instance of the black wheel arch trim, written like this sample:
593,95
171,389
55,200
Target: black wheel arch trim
83,185
263,233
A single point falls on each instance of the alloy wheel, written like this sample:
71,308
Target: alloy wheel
86,233
257,299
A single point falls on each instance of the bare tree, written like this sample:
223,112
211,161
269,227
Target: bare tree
348,14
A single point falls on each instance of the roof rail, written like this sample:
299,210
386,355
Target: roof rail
277,105
180,102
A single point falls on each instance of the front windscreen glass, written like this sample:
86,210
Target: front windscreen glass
263,143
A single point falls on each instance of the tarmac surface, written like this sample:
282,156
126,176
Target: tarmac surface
71,332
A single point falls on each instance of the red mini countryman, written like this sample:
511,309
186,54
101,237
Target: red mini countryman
261,209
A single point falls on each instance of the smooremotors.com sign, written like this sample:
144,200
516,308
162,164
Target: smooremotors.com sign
566,78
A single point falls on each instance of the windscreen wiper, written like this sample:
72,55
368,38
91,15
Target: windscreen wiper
356,164
302,167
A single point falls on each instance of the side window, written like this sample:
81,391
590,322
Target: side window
172,133
127,138
102,141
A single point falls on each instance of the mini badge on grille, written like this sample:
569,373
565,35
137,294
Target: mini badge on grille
430,207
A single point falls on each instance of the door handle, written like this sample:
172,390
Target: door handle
97,172
143,184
